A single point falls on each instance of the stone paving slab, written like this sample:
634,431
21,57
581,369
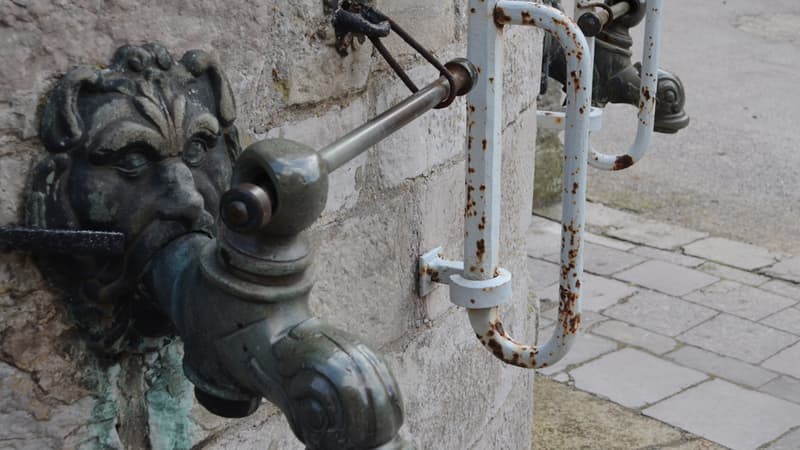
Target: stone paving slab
729,273
665,315
732,253
787,361
728,414
602,260
784,387
721,366
788,269
597,294
740,300
786,320
588,317
586,347
789,441
544,237
634,378
607,261
658,235
616,244
562,377
542,273
738,338
667,277
668,256
732,311
696,444
780,287
635,336
632,228
601,216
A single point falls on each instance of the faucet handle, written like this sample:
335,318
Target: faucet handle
246,208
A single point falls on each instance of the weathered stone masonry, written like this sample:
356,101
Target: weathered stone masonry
386,207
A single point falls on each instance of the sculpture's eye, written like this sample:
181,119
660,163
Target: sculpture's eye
131,164
195,152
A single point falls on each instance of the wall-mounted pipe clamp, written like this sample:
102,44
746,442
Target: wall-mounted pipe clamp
434,269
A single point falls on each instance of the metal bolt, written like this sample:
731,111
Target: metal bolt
236,213
246,208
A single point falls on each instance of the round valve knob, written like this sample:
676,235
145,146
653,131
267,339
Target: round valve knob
246,208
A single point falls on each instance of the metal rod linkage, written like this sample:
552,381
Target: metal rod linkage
592,22
354,143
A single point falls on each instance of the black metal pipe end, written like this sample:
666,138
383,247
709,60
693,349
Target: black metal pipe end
232,409
463,75
590,24
466,74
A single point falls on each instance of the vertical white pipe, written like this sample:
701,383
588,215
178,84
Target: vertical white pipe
483,144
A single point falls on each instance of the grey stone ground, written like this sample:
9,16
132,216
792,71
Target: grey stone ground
700,333
716,298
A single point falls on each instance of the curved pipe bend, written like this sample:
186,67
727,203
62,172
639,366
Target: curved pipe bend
647,97
486,322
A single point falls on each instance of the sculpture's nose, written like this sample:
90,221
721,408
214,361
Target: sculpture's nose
180,201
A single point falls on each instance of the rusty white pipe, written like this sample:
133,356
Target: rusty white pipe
482,212
647,97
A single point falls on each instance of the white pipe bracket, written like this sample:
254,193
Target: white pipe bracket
472,294
556,120
481,294
433,269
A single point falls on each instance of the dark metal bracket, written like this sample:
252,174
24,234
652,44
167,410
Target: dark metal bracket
357,18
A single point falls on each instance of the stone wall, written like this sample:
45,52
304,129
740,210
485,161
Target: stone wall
386,207
548,185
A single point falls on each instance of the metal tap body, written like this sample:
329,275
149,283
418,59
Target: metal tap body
616,78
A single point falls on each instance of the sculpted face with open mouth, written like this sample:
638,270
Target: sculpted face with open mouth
144,147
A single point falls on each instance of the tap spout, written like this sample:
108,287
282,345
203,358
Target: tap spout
240,303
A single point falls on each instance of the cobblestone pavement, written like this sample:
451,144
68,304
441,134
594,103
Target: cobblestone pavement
699,332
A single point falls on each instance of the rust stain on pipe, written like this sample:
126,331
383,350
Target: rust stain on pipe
622,162
500,17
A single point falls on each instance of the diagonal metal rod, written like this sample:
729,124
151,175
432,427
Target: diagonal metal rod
357,141
393,64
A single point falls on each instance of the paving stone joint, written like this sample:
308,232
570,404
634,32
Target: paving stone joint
699,332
